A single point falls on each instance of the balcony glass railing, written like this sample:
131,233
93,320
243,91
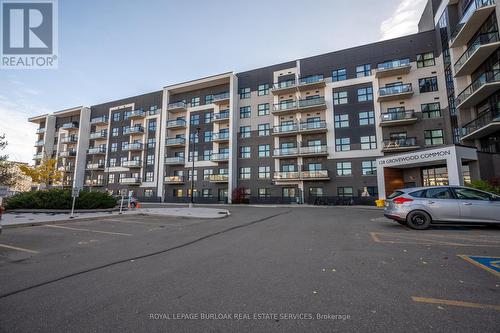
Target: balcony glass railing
97,150
483,119
286,175
220,97
70,125
39,143
218,178
320,149
304,103
473,6
177,105
175,141
67,153
174,160
219,157
285,128
487,77
393,90
94,182
133,130
221,115
94,166
286,151
132,163
311,79
98,135
130,180
480,40
176,123
133,146
284,84
220,136
174,179
399,143
69,139
314,174
393,64
137,113
284,106
99,120
40,130
313,125
398,115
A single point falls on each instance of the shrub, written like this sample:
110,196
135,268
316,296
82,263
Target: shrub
59,199
483,185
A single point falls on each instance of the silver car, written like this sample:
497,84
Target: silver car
418,207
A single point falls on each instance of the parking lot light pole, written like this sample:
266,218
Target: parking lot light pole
195,136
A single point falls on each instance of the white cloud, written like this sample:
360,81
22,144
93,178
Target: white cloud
404,20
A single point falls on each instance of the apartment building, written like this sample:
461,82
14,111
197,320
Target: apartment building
350,125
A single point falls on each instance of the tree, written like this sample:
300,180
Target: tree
46,173
7,172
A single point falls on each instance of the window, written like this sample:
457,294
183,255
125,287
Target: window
245,131
178,192
114,146
116,116
341,120
431,110
425,59
264,192
148,193
195,119
207,154
207,136
264,151
245,112
344,169
123,159
149,176
366,118
207,173
244,93
206,193
195,101
150,160
194,136
339,75
340,97
115,131
344,191
434,137
209,99
368,168
368,142
151,142
191,156
342,144
263,109
112,162
245,152
264,129
428,84
438,193
111,178
152,125
470,194
264,172
245,173
263,89
365,94
363,70
372,191
153,109
208,117
190,172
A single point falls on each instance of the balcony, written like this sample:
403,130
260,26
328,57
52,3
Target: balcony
220,116
130,181
132,164
174,179
219,137
95,166
286,175
483,125
177,106
67,153
284,87
135,114
313,127
314,175
480,49
133,146
311,82
40,130
398,118
286,152
175,160
39,143
392,93
393,68
69,168
69,139
94,182
133,130
313,150
38,156
219,157
312,104
102,120
176,123
223,178
485,85
473,17
285,129
96,151
70,126
222,98
98,135
285,107
399,144
172,142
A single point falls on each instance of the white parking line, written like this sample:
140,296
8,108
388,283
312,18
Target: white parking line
17,248
88,230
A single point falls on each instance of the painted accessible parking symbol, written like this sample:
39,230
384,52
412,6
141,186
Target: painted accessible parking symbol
491,264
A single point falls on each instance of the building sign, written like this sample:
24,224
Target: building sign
418,157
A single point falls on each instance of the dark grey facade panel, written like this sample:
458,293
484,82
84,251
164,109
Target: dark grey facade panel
251,79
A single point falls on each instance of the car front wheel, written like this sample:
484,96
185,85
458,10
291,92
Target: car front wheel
418,220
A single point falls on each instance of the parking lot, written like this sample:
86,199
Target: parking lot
290,269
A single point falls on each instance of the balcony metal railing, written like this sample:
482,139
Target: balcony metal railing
483,119
480,40
313,125
130,180
305,103
133,146
177,105
69,139
176,123
221,115
399,143
133,130
398,115
473,6
99,120
220,97
393,64
218,178
486,77
393,90
311,79
320,149
98,135
174,179
70,125
222,136
95,166
314,174
284,84
174,160
40,130
285,106
175,141
287,175
97,150
219,157
286,151
132,163
285,128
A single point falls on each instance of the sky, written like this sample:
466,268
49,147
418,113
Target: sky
112,49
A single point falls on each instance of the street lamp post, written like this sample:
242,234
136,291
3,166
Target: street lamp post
191,203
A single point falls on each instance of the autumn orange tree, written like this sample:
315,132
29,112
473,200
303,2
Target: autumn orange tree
46,173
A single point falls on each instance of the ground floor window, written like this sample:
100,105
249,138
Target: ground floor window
316,191
435,176
344,191
264,192
148,193
178,192
466,173
206,193
372,190
222,194
289,192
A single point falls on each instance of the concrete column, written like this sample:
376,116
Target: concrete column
454,166
380,182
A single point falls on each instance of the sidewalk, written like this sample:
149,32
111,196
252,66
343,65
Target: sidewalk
10,220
